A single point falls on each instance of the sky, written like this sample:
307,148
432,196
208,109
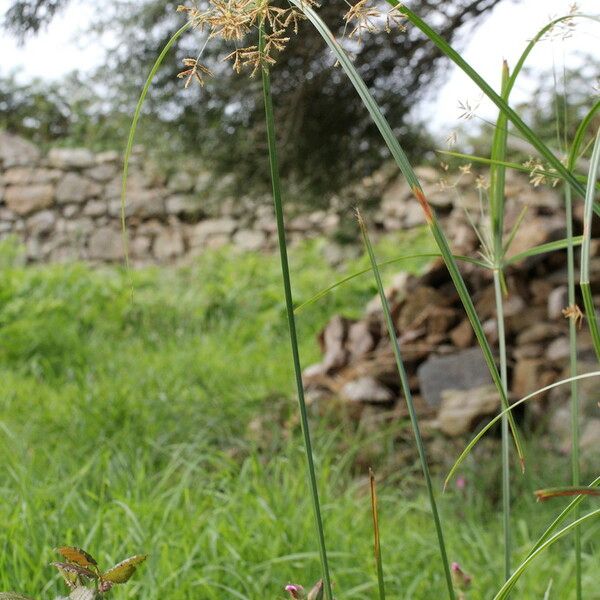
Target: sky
503,35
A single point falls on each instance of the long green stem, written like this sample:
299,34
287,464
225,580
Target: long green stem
505,430
497,187
575,470
410,405
289,305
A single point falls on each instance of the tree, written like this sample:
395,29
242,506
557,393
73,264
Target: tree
326,136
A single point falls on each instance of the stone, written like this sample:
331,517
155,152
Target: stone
204,180
29,175
463,370
332,340
300,223
394,198
360,340
75,188
248,239
589,441
460,410
70,210
41,222
204,230
558,349
16,151
526,376
181,181
139,203
413,216
558,299
139,246
108,157
106,243
168,244
25,200
462,335
95,208
103,172
71,158
539,332
182,204
366,389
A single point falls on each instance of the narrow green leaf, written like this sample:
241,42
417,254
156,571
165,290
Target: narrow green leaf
543,249
377,544
507,587
410,405
484,430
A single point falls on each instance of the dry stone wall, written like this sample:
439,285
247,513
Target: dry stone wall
65,205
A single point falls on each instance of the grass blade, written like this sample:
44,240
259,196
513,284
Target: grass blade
484,430
133,128
384,263
586,292
410,405
571,507
544,248
402,161
377,545
507,587
289,304
511,115
559,492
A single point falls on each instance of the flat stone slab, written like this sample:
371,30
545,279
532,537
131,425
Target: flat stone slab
464,370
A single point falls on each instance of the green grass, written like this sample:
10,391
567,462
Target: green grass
167,424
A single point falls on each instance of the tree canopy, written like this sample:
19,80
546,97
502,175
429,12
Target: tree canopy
326,136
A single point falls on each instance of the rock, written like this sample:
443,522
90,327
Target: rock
140,203
106,243
16,151
107,157
25,200
332,340
204,230
460,410
204,180
168,244
539,332
558,349
366,389
589,442
181,181
413,216
75,188
248,239
526,376
420,304
185,205
70,210
29,175
462,335
71,158
95,208
394,198
360,340
463,370
103,172
41,222
139,246
558,299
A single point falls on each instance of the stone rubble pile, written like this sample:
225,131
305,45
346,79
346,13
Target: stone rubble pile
447,371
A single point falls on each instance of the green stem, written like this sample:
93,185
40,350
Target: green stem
411,408
289,304
505,430
575,468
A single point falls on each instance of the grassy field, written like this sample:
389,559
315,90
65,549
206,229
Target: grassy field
164,422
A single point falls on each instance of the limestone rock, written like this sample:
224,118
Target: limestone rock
71,158
204,230
41,222
183,204
247,239
29,175
24,200
75,188
168,244
461,409
366,389
106,243
463,370
181,181
16,151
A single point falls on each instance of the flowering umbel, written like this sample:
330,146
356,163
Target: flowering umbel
234,20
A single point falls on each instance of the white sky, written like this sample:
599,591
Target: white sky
503,34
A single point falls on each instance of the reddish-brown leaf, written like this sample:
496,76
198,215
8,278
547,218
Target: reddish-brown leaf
77,556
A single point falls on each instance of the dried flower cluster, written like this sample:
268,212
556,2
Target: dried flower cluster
234,20
540,174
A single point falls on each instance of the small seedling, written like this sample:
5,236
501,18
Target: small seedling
81,567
